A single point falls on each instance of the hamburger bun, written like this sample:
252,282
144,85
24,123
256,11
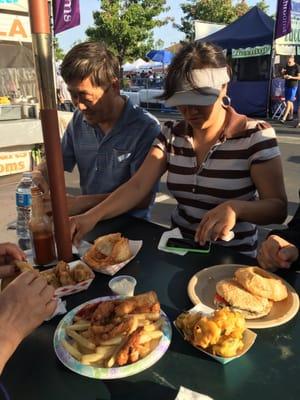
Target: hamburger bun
239,299
260,282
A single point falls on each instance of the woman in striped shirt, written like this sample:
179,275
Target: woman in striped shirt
223,169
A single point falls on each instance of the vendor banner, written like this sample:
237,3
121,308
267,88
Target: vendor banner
14,28
286,45
283,24
14,162
14,5
252,51
66,15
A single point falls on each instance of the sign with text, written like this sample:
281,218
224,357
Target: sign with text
15,28
252,51
66,15
14,162
286,45
14,5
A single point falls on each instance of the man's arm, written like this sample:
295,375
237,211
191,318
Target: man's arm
81,203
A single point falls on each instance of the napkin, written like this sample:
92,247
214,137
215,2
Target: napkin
187,394
60,309
174,233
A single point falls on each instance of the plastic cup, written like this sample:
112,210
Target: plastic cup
122,285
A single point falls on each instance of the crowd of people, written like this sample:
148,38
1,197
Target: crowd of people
146,79
223,169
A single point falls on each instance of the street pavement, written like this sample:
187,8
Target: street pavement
289,142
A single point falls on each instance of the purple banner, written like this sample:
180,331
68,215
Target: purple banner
283,24
66,15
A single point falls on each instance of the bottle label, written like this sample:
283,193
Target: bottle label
23,199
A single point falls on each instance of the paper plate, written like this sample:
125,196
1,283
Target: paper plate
108,373
202,289
248,340
135,247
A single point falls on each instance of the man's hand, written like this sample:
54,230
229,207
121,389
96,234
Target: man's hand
40,181
275,252
216,223
81,225
8,253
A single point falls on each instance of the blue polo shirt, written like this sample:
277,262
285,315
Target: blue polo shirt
107,161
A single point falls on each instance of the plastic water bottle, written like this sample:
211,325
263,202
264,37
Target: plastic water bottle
23,204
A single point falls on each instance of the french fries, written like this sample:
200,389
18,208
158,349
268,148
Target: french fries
124,343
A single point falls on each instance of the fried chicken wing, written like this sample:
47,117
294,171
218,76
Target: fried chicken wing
81,272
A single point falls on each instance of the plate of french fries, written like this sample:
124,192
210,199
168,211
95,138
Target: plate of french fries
113,337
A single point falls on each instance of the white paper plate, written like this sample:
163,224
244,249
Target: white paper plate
202,289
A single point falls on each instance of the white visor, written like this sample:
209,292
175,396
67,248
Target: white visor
207,86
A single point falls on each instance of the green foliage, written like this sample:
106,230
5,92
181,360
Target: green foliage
58,52
241,8
127,26
217,11
263,6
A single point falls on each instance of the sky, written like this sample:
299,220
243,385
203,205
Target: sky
167,33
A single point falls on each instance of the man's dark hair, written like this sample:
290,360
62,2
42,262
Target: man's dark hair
90,60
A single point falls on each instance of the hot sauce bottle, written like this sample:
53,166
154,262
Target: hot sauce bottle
41,229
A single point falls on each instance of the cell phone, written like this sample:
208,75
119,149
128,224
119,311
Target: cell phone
187,244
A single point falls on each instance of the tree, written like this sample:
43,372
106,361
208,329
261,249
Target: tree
58,51
241,8
263,6
218,11
127,26
159,44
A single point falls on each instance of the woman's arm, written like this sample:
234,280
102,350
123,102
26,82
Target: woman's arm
125,198
270,208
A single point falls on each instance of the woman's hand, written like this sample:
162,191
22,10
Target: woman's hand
8,253
217,223
276,252
80,225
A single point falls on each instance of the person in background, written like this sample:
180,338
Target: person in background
24,304
281,249
63,95
223,169
291,74
108,137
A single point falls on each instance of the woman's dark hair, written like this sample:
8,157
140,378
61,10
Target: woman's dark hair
90,60
192,56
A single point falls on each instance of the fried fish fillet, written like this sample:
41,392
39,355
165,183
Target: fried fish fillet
146,301
23,266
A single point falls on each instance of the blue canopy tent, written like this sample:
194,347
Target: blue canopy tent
162,56
255,28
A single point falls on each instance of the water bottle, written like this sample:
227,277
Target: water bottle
23,204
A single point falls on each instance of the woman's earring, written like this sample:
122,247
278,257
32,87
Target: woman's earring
226,101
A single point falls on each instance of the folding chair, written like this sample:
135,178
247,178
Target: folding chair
278,107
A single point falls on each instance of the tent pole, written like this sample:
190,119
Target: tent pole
272,61
41,42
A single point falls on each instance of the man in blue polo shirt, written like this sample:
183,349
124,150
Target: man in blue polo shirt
108,137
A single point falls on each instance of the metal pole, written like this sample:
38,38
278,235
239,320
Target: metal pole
273,51
41,41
